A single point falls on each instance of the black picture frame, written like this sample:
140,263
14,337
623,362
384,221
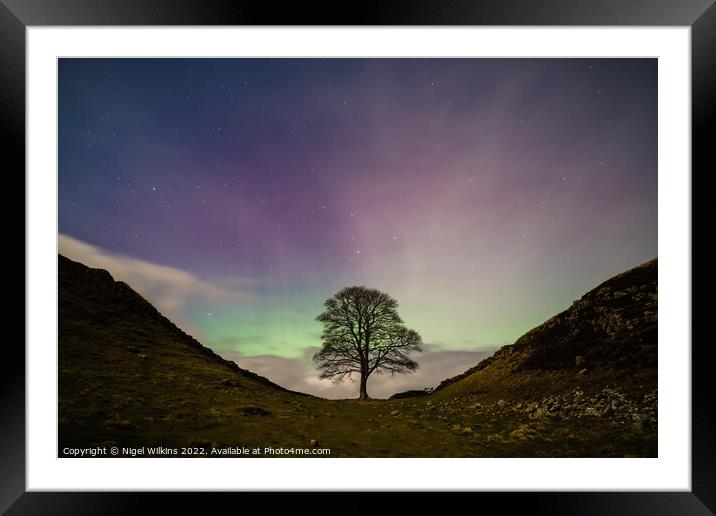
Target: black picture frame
17,15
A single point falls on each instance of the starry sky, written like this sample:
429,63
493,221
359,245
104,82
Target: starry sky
237,195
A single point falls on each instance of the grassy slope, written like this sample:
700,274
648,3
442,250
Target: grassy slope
128,376
613,328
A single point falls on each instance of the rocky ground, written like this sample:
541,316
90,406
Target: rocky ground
609,404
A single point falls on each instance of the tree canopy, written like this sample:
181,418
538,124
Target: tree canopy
363,334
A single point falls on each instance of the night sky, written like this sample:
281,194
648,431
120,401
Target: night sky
485,195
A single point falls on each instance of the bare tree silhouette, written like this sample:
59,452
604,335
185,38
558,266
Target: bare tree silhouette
363,334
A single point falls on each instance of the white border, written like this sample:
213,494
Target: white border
672,470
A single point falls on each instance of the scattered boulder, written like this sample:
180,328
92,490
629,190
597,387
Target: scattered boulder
523,432
537,413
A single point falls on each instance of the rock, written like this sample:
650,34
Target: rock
142,355
583,371
523,432
501,403
638,422
592,411
313,443
537,413
395,413
495,438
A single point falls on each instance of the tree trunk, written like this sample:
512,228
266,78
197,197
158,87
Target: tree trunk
363,387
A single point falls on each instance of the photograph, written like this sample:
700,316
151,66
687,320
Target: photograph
357,257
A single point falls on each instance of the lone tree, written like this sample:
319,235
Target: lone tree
362,334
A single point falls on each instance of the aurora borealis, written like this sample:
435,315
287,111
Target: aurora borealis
485,195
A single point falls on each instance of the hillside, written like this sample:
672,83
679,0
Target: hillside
129,377
123,367
597,361
612,329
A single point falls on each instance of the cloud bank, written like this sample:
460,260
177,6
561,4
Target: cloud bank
300,374
169,289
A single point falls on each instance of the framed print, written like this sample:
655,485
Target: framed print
419,249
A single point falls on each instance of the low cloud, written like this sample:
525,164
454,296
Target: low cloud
169,289
300,374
